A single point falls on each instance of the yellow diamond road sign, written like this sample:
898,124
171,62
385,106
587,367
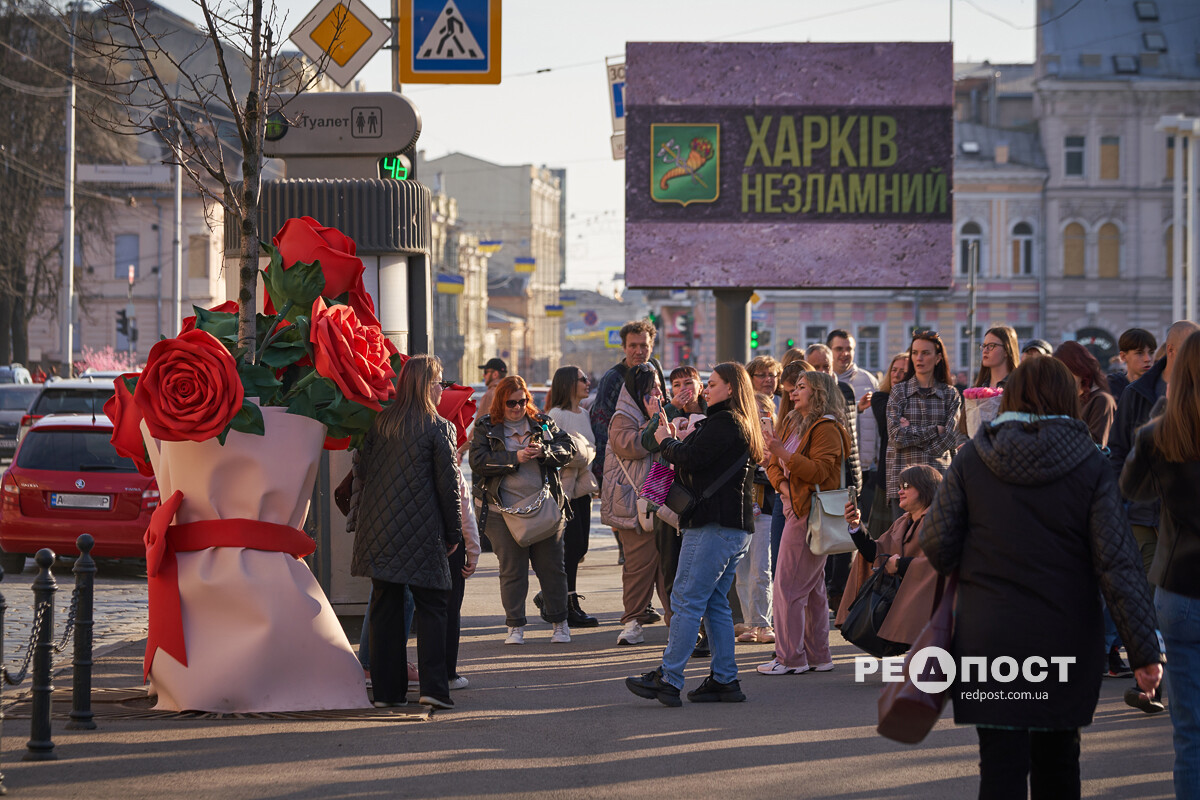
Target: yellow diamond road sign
341,36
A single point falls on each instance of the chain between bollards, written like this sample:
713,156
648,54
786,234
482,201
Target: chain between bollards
40,746
3,610
81,688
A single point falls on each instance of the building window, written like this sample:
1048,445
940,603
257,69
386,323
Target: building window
1024,334
1109,251
964,346
126,249
1073,149
1074,239
815,334
1022,249
867,347
970,233
198,256
1110,158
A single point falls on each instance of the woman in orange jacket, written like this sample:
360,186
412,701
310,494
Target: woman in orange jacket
810,448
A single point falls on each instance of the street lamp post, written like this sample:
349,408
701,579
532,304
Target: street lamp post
1184,196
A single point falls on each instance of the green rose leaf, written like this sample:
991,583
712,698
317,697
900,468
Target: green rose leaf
258,381
300,283
248,420
220,324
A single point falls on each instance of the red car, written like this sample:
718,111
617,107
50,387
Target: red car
65,480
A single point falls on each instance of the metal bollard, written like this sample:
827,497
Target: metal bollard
40,746
81,689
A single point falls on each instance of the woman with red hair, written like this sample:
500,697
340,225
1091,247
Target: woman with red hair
516,453
1096,406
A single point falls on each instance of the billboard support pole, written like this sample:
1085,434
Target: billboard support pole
733,324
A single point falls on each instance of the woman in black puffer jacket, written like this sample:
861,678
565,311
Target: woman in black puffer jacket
409,520
1030,517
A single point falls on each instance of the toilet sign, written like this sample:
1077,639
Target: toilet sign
449,41
341,35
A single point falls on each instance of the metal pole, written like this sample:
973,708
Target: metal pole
1180,223
40,746
177,253
972,280
81,687
68,250
1193,217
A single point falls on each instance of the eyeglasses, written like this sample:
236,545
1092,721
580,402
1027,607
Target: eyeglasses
988,347
771,375
445,384
925,334
584,379
517,403
905,485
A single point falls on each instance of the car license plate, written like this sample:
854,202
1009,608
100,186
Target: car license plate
58,500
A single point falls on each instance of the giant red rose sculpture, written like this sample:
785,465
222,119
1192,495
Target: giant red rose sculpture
304,240
190,389
351,355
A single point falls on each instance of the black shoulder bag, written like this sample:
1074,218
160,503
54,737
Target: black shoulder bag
681,499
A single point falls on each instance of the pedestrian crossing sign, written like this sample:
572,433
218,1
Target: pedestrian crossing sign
449,41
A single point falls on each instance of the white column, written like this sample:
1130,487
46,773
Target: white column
1179,223
1193,217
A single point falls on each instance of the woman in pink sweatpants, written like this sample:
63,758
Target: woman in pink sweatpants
809,450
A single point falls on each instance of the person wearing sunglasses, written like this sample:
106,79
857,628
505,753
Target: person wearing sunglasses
922,414
515,452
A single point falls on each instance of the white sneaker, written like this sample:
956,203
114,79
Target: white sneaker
562,633
632,633
459,683
515,636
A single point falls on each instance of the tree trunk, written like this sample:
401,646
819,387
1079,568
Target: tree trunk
20,320
6,320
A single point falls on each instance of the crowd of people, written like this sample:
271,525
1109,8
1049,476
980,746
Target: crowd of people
1048,489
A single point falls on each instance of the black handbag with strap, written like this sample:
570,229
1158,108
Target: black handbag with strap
866,614
683,501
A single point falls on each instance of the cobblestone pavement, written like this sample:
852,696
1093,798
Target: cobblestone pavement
119,614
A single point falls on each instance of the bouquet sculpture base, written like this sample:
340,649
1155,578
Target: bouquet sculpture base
242,628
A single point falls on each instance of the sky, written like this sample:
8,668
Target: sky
551,106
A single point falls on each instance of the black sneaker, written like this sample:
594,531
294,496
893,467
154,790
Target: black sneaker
539,601
701,650
576,616
1116,667
653,687
649,616
712,690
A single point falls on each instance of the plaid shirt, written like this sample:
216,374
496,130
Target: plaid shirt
919,442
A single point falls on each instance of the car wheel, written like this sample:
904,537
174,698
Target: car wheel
12,563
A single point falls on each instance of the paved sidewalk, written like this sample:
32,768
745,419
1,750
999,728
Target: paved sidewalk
555,721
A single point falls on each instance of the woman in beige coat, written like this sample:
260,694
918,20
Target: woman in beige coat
626,464
898,552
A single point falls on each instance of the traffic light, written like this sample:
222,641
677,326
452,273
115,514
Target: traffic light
656,321
791,343
753,335
123,323
764,338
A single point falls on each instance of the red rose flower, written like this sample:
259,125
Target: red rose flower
190,389
457,406
352,355
127,420
228,307
303,239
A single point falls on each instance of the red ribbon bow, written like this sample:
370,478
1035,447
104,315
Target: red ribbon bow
163,540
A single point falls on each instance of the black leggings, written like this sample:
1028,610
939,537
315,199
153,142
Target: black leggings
575,537
1020,763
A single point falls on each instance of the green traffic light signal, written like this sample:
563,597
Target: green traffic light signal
791,342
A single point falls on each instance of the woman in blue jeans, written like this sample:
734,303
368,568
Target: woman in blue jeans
1165,465
715,463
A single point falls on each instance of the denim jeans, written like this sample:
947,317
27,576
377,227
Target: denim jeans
707,561
776,533
1179,620
754,576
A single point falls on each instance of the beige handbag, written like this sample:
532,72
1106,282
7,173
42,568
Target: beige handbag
645,515
533,519
827,529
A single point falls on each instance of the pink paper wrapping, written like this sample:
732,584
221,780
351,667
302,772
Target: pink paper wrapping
260,633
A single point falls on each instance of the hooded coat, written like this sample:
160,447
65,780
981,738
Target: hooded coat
618,495
1030,516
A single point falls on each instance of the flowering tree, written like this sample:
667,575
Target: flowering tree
106,360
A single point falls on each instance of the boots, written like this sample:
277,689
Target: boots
576,616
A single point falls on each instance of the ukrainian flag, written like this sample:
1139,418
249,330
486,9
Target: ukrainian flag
490,246
450,284
567,300
554,311
524,264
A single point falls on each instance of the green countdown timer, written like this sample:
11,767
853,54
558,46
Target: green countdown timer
393,167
